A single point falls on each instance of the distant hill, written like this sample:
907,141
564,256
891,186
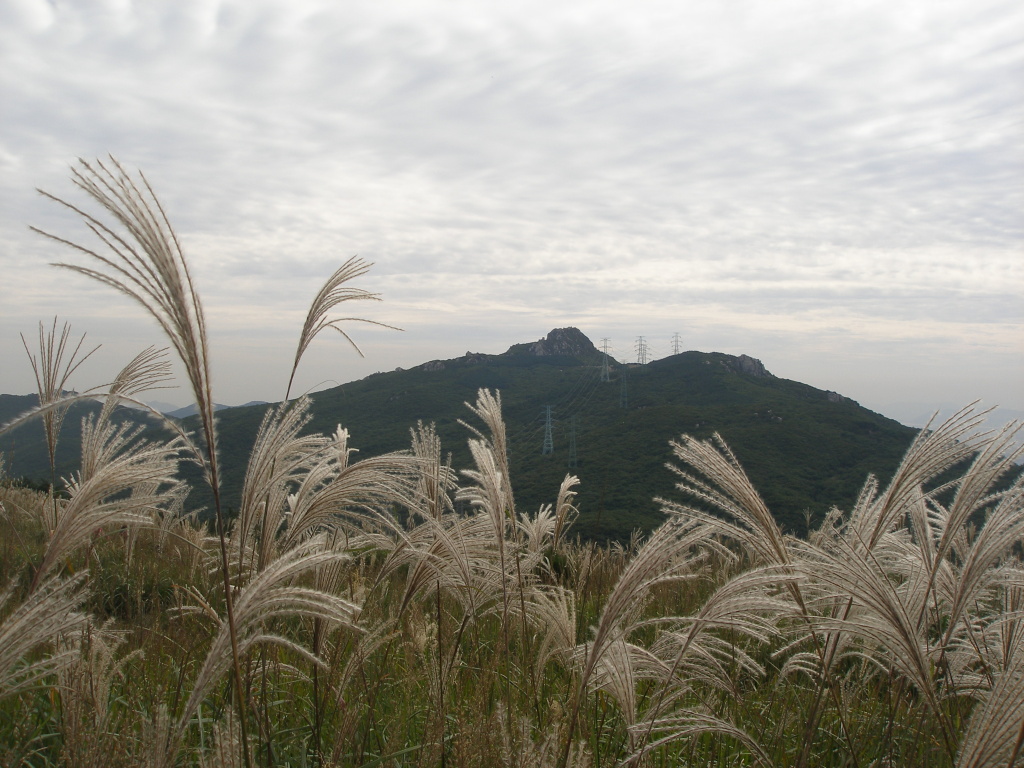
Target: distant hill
190,410
805,449
162,406
25,453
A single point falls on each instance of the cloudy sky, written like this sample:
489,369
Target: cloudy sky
836,189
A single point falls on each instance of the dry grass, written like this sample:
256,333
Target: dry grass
350,616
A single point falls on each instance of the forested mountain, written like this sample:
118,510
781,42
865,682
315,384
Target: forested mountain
610,423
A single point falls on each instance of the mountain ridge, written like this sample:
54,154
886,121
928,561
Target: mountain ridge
569,410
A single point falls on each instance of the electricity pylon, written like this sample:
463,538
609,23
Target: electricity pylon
605,370
675,344
641,350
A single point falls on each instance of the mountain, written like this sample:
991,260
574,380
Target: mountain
805,449
162,405
568,409
191,410
24,449
182,412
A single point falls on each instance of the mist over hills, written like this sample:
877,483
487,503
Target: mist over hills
610,423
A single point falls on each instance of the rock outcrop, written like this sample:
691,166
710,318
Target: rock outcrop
748,365
570,342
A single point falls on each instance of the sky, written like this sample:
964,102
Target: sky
836,189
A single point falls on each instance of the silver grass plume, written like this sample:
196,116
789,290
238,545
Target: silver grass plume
488,409
547,528
279,457
748,605
537,531
50,612
143,259
456,554
876,613
694,723
669,554
92,729
689,649
565,511
436,481
932,452
717,479
272,594
356,496
53,369
491,494
995,733
972,563
119,485
907,578
334,292
552,613
122,480
148,370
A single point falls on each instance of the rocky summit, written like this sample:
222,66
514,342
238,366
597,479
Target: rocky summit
570,342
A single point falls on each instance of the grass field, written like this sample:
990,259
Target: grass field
396,610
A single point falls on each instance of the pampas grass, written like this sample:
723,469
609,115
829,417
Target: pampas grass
53,368
335,291
271,595
355,613
736,674
49,613
142,258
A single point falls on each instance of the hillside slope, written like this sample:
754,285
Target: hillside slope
805,449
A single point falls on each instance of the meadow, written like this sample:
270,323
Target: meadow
397,610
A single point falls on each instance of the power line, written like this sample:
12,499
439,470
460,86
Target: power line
549,442
574,400
641,350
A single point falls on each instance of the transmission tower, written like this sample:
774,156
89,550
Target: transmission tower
675,344
605,372
549,442
573,459
641,350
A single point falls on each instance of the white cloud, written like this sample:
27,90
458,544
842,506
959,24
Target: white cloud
798,175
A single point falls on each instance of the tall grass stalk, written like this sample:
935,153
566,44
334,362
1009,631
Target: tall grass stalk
356,613
143,259
334,291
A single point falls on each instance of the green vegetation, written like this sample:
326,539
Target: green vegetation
805,449
396,609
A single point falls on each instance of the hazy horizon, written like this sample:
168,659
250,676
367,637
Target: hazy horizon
909,413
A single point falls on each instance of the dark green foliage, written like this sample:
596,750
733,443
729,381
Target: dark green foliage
24,448
804,449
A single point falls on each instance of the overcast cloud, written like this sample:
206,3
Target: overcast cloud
834,188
